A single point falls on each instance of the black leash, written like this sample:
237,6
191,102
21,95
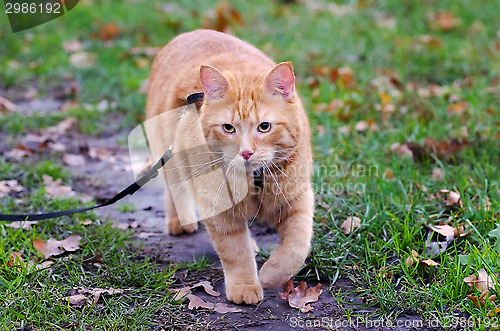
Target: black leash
131,189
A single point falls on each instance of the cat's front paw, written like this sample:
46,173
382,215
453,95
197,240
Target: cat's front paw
271,275
175,228
244,293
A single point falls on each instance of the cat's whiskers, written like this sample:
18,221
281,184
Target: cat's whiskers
221,185
284,174
190,157
199,171
277,184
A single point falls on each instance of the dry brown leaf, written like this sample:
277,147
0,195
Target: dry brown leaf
437,174
222,17
388,174
350,224
71,244
444,21
73,160
86,222
413,258
196,302
146,235
182,292
8,186
21,224
444,230
96,293
6,105
52,246
15,259
480,301
300,296
77,300
482,282
452,198
82,60
96,260
430,263
207,287
47,249
72,46
223,308
54,189
343,75
107,32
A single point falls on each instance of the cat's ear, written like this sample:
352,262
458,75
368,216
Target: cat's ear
281,82
214,83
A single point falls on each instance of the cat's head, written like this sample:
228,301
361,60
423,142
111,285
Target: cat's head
253,118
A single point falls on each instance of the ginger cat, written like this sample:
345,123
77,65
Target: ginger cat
249,102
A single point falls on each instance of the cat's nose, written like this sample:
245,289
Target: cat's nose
246,154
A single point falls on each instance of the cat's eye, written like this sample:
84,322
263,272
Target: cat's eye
228,128
264,127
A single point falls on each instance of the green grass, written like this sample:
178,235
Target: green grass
197,265
351,177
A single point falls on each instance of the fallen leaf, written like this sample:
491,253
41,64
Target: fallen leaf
54,189
86,222
388,174
350,224
437,174
480,301
77,300
430,262
482,282
52,246
95,260
182,292
96,293
452,198
444,21
445,230
222,17
300,296
343,75
15,259
73,160
72,46
207,287
71,244
196,302
146,235
21,224
82,60
413,258
47,249
6,106
18,152
107,32
223,308
62,127
8,186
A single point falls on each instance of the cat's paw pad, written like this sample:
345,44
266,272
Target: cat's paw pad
244,293
175,228
272,276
